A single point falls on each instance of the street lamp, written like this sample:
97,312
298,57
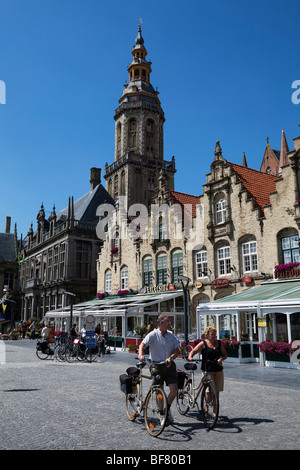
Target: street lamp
185,305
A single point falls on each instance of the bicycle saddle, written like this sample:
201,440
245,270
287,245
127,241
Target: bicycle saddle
190,366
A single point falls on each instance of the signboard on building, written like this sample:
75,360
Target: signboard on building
262,322
220,282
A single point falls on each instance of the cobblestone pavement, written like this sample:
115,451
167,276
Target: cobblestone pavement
48,405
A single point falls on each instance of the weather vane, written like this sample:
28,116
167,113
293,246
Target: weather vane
140,21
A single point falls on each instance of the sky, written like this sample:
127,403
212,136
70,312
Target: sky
224,69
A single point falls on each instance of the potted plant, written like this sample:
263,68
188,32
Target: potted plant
141,330
231,346
276,350
132,348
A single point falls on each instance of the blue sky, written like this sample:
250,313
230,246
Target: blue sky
224,70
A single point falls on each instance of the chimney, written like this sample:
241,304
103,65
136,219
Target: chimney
95,177
7,224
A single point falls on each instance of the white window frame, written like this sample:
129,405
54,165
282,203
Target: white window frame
201,264
220,211
224,261
108,281
290,249
250,260
124,279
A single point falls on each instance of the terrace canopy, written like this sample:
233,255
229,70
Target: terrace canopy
130,305
241,315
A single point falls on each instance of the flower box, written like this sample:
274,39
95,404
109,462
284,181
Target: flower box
277,357
232,351
114,250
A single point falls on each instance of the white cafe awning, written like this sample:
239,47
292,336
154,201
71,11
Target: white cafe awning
127,305
271,296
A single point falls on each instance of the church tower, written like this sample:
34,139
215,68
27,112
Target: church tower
139,138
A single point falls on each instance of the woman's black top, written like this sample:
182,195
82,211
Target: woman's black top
210,354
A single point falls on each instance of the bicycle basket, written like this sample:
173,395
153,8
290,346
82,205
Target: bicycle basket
125,383
181,378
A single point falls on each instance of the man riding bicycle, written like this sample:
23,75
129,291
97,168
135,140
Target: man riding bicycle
163,349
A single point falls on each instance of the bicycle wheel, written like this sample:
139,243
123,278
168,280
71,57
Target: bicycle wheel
42,351
132,406
72,354
91,354
209,404
186,351
183,398
59,352
156,410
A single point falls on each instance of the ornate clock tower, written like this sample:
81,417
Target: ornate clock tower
139,138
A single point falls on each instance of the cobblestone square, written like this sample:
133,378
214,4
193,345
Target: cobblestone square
49,405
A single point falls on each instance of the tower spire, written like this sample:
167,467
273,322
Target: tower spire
284,149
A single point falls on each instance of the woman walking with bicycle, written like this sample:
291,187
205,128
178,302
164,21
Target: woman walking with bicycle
164,348
213,354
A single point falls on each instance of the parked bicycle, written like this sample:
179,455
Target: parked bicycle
78,351
154,406
188,394
44,349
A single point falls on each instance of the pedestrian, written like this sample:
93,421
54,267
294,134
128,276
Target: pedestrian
164,348
24,329
45,333
32,330
74,331
213,354
83,333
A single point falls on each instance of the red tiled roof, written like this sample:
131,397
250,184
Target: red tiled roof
183,199
258,184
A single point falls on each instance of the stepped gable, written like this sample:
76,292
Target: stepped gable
258,184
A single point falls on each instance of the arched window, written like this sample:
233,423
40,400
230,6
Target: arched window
162,270
149,138
177,266
108,281
147,272
220,208
119,139
132,134
124,279
223,258
201,263
249,253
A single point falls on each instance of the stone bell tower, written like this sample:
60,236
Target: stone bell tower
139,138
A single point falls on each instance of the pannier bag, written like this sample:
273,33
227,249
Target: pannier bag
181,378
126,383
133,371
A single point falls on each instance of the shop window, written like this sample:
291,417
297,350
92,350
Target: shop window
249,251
290,249
223,256
162,270
177,266
201,264
147,272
